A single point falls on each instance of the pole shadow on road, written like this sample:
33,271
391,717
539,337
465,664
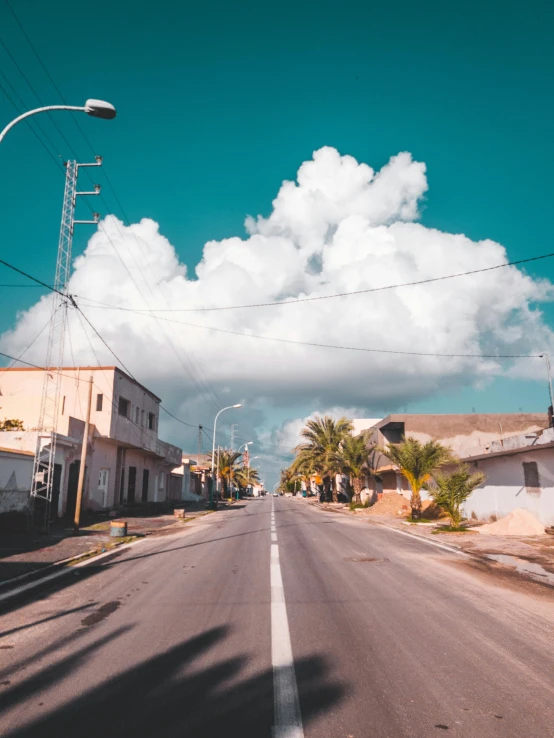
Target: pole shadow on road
169,696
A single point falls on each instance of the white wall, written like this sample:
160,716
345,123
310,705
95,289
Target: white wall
15,482
504,488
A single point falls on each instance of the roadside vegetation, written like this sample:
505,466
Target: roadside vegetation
418,462
329,449
450,491
232,473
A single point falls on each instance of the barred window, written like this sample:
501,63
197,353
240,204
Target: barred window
531,478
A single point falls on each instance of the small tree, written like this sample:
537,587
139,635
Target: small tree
450,491
227,464
417,463
11,425
353,458
246,477
321,441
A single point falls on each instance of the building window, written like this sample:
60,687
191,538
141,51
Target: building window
63,405
151,422
137,415
142,418
531,478
161,479
123,407
99,401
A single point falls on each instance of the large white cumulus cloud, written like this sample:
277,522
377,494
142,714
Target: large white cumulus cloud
340,227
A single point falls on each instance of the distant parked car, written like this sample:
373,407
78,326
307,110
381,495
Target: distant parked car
276,494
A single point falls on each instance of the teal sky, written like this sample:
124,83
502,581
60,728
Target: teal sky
218,102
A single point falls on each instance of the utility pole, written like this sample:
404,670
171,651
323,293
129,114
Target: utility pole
547,359
199,443
45,454
84,449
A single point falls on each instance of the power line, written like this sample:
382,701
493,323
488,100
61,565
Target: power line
22,73
30,276
100,337
323,345
43,65
41,142
276,339
35,339
346,294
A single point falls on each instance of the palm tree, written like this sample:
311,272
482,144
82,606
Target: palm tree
450,491
417,463
323,437
285,479
227,462
305,470
353,458
246,477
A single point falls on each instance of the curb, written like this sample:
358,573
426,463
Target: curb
64,568
424,539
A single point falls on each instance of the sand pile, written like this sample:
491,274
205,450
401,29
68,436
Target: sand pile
517,523
431,511
391,503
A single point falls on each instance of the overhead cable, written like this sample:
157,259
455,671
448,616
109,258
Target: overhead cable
316,298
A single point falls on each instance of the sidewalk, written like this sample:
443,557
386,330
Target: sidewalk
24,555
537,550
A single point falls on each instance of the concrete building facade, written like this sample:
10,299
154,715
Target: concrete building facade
519,473
126,462
467,435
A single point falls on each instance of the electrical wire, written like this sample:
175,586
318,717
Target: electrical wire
35,339
343,294
30,276
273,338
325,345
44,67
108,383
41,103
103,341
41,142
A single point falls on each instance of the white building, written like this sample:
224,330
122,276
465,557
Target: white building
16,470
126,462
520,473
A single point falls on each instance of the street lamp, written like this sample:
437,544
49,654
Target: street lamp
230,407
94,108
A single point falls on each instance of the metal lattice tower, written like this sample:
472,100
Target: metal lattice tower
43,468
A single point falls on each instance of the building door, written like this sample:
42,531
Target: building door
56,485
103,482
131,484
119,491
72,482
145,482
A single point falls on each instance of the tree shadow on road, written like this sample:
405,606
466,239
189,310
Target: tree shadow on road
174,694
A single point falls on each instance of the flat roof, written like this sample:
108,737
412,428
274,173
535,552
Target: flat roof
82,369
16,451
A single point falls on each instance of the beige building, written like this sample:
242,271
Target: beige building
127,463
467,435
193,477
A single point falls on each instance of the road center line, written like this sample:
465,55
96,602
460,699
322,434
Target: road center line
287,717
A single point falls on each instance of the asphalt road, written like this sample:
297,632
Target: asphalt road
188,635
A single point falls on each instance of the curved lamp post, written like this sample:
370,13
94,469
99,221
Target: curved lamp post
231,407
95,108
